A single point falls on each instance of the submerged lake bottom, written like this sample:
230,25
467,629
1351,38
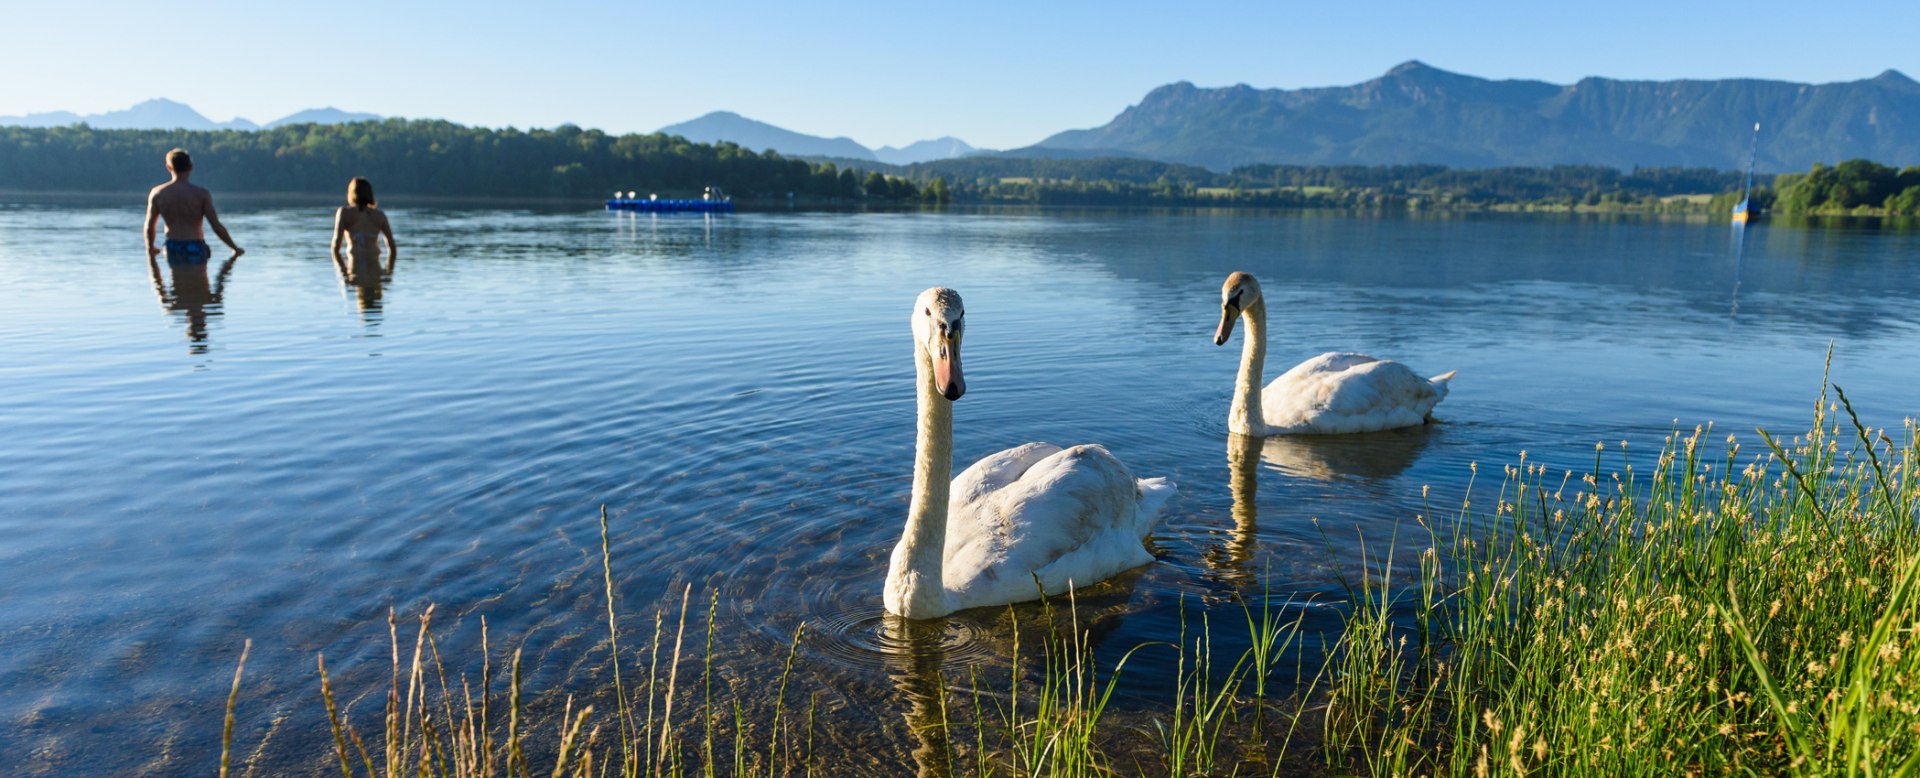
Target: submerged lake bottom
261,452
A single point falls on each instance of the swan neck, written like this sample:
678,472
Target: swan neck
914,582
1244,417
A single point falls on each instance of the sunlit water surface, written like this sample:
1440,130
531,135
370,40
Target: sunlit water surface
264,453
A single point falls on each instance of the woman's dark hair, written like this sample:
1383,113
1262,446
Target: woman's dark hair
360,193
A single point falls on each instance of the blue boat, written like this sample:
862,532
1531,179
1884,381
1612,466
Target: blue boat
713,201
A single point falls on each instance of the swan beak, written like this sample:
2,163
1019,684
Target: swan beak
947,378
1228,313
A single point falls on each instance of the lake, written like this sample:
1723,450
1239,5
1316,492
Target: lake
264,453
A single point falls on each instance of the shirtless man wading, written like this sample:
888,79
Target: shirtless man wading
183,205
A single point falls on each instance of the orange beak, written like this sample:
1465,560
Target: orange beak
947,378
1228,313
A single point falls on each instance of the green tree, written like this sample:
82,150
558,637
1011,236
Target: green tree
876,186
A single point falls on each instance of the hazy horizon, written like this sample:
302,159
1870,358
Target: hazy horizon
997,75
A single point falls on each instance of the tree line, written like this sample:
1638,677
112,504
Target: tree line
1135,181
426,157
433,157
1856,186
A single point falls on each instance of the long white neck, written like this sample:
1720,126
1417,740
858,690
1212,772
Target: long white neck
1244,415
914,586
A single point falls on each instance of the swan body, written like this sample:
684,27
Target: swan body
1336,392
1061,517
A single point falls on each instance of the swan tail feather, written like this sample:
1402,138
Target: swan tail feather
1440,381
1154,493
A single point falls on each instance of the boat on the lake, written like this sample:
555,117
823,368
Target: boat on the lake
1742,212
713,200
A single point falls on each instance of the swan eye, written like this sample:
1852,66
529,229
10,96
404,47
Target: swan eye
927,311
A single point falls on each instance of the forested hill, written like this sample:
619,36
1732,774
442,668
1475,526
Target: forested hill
1421,114
401,156
441,158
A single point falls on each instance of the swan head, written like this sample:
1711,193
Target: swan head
939,321
1240,292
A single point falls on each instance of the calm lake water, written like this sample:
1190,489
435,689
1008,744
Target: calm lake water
261,453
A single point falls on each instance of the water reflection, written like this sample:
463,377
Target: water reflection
1367,460
366,278
1369,457
194,295
1230,562
1739,253
915,671
1042,636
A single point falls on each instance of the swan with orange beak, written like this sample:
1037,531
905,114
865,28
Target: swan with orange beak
1064,517
1336,392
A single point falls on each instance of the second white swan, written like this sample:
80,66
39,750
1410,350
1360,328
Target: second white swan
1064,517
1336,392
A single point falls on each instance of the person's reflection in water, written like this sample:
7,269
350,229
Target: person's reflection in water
367,289
194,295
1231,561
914,668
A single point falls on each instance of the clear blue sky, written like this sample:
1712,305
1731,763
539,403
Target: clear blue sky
996,74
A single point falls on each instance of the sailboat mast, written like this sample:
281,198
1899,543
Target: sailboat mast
1753,148
1743,211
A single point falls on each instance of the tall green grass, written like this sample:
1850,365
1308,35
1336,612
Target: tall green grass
1051,721
1716,613
1711,612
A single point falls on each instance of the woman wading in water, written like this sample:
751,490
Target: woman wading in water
361,226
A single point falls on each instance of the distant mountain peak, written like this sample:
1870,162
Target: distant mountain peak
327,115
162,113
943,147
1174,89
1419,114
717,126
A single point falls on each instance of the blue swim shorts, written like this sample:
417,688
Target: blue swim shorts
188,252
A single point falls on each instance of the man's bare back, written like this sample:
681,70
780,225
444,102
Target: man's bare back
183,206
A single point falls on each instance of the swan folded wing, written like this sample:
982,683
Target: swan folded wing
1334,362
1338,393
1062,519
994,471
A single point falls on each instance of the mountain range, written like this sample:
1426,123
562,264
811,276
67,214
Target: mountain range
761,136
164,114
1417,113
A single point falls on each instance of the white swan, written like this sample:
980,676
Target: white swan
1067,517
1335,392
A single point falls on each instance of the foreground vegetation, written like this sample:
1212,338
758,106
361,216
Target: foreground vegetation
1711,611
1716,614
